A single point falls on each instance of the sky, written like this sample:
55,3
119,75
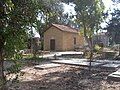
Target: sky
108,4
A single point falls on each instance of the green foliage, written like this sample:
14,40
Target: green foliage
113,27
89,15
117,1
49,12
97,47
19,16
16,16
14,42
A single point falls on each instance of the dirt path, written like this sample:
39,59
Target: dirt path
65,77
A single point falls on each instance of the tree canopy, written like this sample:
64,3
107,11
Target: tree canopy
89,16
113,27
16,16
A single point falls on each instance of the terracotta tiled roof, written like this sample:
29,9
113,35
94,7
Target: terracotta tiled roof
65,28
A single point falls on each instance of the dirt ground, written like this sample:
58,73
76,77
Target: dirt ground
65,77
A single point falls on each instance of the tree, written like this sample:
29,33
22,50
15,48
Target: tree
117,1
89,16
16,16
113,28
48,13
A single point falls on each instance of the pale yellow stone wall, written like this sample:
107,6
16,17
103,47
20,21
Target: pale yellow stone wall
81,39
53,33
68,40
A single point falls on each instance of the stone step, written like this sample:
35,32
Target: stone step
47,66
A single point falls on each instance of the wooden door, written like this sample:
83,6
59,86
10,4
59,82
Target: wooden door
52,44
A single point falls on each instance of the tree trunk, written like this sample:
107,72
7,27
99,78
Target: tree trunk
119,50
91,53
91,58
2,76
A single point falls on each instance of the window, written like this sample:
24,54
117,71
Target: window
74,40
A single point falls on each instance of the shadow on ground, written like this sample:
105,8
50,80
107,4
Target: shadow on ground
72,79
